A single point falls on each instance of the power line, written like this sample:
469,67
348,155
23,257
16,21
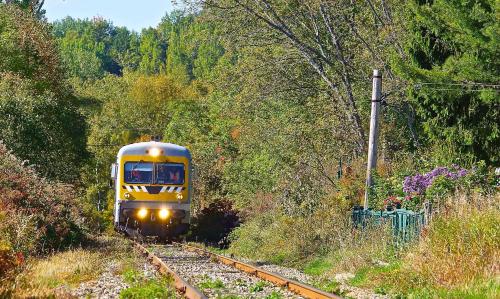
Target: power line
461,84
456,89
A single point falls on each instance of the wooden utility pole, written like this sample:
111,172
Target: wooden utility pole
372,142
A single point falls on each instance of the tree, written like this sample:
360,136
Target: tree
33,6
453,70
28,50
340,40
152,50
91,48
40,122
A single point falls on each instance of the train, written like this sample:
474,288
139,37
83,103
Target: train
153,189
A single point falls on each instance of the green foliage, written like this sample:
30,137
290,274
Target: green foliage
91,48
455,258
141,287
34,101
208,283
152,52
32,119
258,286
28,49
35,7
452,45
37,216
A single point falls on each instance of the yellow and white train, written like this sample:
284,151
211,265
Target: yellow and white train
153,189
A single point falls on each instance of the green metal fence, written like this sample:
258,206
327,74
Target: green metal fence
406,225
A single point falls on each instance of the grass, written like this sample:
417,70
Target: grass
67,268
327,285
142,287
209,283
258,286
274,295
317,267
363,275
458,256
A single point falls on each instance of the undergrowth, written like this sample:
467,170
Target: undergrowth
458,255
143,287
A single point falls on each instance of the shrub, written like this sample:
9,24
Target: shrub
457,255
37,216
214,223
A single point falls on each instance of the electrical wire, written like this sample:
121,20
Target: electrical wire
461,84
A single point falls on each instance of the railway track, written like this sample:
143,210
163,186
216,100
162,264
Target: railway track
198,273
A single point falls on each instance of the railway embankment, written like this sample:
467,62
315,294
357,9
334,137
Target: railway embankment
107,267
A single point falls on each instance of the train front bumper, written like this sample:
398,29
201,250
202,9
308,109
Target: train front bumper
134,209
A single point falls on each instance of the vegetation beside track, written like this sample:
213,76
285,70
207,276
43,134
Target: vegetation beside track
37,217
61,273
271,132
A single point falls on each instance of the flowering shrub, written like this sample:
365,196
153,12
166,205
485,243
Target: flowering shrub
418,184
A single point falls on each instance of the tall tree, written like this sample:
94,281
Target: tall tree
340,40
40,122
152,50
455,71
33,6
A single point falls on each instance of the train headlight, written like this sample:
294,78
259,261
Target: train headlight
179,196
155,152
127,195
142,213
164,213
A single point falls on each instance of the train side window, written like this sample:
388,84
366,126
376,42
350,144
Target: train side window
138,172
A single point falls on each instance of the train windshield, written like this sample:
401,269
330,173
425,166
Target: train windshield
139,172
169,174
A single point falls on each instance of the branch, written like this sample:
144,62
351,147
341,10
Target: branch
351,103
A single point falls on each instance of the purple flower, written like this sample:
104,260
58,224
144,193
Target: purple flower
420,182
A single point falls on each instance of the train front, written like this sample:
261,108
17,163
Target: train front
153,189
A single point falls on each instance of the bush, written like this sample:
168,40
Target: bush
275,237
214,223
37,216
457,255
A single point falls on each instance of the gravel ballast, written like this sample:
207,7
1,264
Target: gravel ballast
214,279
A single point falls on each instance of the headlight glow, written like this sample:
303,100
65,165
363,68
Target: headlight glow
155,152
142,213
179,196
164,213
127,195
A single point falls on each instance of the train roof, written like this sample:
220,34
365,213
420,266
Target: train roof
169,149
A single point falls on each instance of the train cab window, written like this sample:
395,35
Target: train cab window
169,174
138,172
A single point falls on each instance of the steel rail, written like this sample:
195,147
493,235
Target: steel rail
180,284
292,285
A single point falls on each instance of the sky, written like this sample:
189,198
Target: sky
134,14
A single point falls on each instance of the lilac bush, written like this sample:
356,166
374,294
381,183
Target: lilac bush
419,183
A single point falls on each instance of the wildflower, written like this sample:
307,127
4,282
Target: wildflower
418,183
